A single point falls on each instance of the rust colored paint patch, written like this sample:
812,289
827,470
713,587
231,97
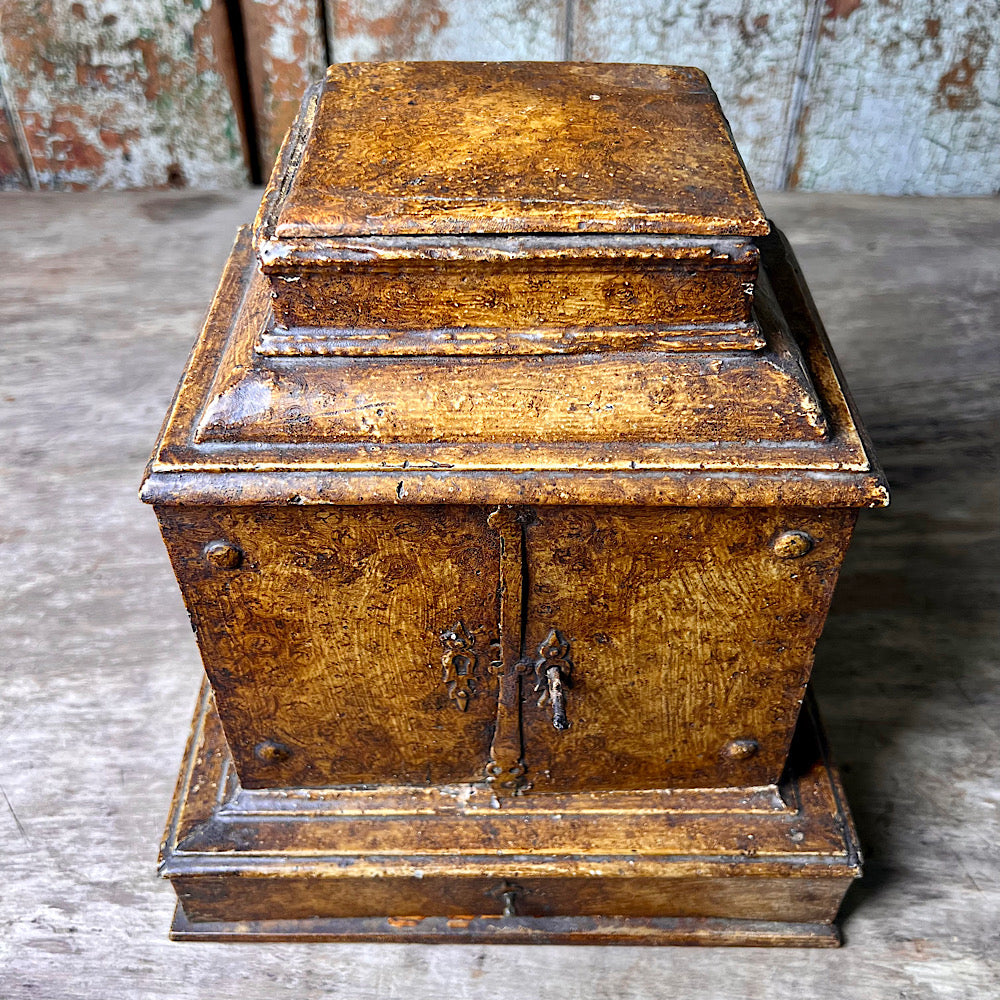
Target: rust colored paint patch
117,94
957,89
14,163
285,52
382,30
11,173
390,26
842,9
795,170
224,47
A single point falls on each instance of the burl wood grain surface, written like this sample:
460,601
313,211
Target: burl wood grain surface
518,283
418,148
662,682
337,658
100,306
324,645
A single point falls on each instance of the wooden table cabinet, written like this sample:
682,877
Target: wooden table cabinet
507,488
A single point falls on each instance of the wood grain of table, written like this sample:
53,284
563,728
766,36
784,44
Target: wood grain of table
100,299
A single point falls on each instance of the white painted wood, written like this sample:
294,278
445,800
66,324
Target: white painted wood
904,99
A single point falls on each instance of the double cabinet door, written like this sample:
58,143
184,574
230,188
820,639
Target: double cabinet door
536,649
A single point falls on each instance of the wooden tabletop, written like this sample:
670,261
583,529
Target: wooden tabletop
100,300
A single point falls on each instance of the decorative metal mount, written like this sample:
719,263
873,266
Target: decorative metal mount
469,657
552,673
508,894
505,771
464,661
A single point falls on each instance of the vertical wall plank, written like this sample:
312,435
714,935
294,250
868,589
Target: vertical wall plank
12,163
905,99
750,50
285,52
114,93
11,173
446,29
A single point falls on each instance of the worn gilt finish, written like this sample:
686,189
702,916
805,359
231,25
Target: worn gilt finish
507,490
452,148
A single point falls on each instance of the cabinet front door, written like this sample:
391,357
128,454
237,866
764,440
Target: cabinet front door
682,640
345,645
546,649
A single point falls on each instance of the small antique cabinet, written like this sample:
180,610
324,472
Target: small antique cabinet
507,487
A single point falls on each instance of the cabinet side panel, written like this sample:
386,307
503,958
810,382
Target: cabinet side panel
323,645
691,641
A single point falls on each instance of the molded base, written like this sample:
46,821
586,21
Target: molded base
516,930
714,866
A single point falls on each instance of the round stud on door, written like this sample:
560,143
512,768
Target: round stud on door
741,749
793,544
271,752
223,555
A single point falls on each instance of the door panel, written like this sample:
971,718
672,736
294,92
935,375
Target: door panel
324,644
690,641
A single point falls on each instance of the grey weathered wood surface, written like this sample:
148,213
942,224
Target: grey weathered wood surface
100,297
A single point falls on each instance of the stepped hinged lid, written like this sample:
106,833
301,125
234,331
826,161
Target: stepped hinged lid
512,282
548,201
450,148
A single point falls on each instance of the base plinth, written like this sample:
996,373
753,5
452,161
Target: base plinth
733,866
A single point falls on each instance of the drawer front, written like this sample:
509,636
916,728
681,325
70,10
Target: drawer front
321,632
463,898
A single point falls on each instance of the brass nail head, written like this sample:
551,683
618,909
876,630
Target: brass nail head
223,555
271,752
793,544
741,749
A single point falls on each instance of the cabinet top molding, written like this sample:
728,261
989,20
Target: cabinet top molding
449,148
509,283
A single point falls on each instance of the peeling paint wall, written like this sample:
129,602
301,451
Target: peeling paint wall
880,96
14,171
118,93
904,99
285,52
447,29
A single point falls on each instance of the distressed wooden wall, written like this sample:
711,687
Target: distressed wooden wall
119,93
286,50
879,96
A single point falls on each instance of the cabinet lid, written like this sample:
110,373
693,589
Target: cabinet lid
449,148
